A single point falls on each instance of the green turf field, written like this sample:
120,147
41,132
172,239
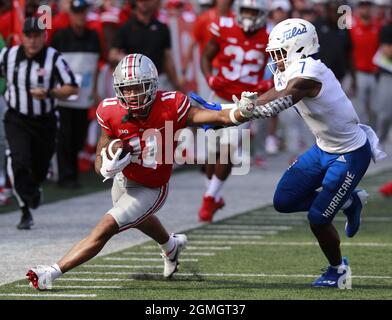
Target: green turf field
255,255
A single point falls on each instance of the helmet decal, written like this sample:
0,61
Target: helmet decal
288,34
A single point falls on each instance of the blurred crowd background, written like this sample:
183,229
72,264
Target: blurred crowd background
360,56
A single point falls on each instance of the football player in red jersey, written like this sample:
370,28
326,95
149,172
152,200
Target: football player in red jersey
238,46
139,181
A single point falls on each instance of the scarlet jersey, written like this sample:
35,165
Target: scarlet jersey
170,108
242,58
365,39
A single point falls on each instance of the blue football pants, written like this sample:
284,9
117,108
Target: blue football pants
337,174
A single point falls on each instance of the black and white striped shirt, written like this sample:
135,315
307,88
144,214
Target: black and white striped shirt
47,69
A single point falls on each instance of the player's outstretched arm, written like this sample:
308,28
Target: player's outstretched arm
103,141
199,117
273,102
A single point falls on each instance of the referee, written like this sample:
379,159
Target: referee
36,76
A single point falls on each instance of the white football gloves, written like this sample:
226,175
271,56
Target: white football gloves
247,104
110,168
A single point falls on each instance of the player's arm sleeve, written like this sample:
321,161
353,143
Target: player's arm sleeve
103,120
183,107
64,73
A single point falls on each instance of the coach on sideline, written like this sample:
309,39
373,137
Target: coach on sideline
36,76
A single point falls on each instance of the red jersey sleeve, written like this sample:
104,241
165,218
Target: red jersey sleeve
183,106
103,116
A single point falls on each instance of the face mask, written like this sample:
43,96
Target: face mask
247,24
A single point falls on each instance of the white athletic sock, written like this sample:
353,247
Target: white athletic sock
207,182
55,271
169,247
336,267
347,203
214,188
218,196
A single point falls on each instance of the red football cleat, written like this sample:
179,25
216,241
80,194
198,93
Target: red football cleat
209,207
32,278
386,189
40,277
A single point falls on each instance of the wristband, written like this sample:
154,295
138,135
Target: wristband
232,117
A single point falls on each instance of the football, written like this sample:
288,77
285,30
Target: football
114,145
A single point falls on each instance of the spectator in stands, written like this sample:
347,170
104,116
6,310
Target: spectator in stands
335,42
132,38
5,21
80,47
365,39
384,11
383,60
319,8
5,191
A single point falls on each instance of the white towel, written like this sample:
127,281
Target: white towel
377,151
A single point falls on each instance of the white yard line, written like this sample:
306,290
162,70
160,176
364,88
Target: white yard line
289,218
57,295
113,273
221,236
234,232
248,227
261,222
74,287
207,254
146,259
195,248
241,275
353,244
222,242
94,279
120,266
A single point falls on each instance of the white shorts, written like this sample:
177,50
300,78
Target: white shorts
134,203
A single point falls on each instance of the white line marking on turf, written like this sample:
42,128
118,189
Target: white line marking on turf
222,242
292,218
103,273
261,222
120,266
74,287
221,236
146,259
352,244
94,279
248,227
182,254
244,275
48,295
195,248
234,232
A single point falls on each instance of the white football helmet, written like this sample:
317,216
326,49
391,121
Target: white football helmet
137,74
291,40
246,22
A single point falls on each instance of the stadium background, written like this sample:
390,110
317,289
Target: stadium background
274,262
